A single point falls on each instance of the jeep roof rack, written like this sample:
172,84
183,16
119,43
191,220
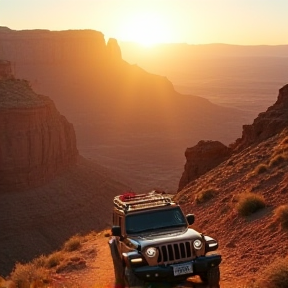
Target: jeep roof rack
131,201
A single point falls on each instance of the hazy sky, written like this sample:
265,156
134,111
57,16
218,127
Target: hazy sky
149,21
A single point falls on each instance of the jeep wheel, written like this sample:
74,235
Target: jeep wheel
117,263
131,280
211,277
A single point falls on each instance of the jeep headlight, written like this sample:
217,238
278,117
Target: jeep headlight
151,252
197,244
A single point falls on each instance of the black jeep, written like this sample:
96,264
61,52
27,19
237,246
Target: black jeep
151,242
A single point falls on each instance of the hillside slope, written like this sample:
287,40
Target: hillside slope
259,164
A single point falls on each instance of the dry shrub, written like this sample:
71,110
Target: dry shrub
277,160
205,195
27,275
275,275
248,203
261,168
54,259
281,215
73,243
40,261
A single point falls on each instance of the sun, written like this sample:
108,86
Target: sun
147,29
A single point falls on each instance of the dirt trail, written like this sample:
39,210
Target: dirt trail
99,272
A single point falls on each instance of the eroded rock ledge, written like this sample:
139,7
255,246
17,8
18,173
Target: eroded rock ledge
36,141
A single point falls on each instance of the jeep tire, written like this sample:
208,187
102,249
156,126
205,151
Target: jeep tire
131,280
211,277
117,263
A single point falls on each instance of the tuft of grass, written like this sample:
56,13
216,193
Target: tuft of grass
281,215
277,160
29,275
205,195
54,259
261,168
73,243
249,203
275,275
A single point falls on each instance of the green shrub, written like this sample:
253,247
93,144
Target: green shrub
281,215
248,203
261,168
205,195
73,243
275,275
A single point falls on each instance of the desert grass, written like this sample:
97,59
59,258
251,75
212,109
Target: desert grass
275,275
205,195
29,275
37,273
73,243
249,203
281,216
54,259
260,169
278,159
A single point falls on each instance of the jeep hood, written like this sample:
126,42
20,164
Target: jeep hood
162,237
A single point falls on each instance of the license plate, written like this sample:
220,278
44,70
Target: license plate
182,269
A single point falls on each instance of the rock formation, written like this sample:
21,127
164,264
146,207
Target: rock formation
202,158
208,154
36,141
114,50
44,46
266,124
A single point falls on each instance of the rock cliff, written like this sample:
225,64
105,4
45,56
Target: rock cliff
202,158
206,155
44,46
36,141
267,124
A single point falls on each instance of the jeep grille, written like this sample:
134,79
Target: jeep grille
175,252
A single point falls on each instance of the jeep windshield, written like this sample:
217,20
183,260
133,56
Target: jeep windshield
155,220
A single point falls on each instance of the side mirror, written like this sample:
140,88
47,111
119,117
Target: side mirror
116,231
190,218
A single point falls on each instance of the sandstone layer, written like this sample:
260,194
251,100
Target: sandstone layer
36,141
201,158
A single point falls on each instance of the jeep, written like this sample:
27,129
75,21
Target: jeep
151,241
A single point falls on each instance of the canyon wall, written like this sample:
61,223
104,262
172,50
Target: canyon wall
206,155
36,142
44,46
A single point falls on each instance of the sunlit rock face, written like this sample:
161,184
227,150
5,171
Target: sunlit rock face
36,142
267,124
202,158
208,154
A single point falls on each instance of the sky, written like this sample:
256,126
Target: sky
244,22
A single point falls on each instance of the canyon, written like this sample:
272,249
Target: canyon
127,119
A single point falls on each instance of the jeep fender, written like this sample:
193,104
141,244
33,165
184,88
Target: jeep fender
130,255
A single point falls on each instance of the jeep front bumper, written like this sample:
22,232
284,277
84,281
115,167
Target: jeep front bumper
161,272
